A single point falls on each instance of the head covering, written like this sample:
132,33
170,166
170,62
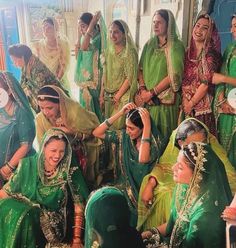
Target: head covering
64,164
212,41
129,42
76,118
107,221
16,91
171,58
202,201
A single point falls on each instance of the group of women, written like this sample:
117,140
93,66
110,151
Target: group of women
129,111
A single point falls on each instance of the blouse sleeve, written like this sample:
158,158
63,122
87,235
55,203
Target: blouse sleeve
209,66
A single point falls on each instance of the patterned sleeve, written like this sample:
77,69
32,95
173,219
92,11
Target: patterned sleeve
209,66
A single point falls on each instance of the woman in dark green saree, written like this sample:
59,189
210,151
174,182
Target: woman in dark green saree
107,221
17,129
42,197
200,196
136,149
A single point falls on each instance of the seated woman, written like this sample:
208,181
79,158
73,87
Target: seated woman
136,149
107,221
35,74
201,194
157,187
58,110
48,203
17,130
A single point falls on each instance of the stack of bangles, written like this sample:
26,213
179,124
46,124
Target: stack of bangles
10,166
78,218
108,124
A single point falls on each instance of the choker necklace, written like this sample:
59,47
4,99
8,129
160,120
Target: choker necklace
49,173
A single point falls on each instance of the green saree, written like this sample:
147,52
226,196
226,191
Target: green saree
128,172
16,129
159,212
34,76
195,220
32,196
158,63
107,221
119,67
226,123
88,73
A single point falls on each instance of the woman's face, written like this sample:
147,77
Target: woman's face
159,26
54,152
83,27
116,36
200,30
233,28
49,109
18,62
133,131
49,30
182,173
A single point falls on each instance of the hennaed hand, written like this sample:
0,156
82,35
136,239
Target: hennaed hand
127,107
145,116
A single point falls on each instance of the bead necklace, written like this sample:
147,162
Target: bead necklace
50,173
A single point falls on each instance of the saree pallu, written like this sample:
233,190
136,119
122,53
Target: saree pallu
88,75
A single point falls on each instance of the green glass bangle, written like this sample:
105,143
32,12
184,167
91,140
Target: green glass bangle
107,123
147,140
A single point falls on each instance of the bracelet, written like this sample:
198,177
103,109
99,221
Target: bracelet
107,123
10,166
145,140
152,91
155,90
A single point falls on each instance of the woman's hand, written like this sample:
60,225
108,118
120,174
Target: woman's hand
148,192
5,172
218,78
145,116
146,234
127,107
116,100
146,95
229,213
188,107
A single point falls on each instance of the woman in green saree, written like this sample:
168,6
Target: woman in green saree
157,187
107,221
35,74
160,72
17,130
60,111
120,71
90,45
44,199
200,196
224,112
136,149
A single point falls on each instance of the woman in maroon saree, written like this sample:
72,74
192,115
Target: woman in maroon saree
202,60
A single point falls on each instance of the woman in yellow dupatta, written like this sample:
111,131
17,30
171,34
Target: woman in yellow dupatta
58,110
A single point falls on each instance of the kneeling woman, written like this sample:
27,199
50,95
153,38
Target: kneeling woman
37,200
136,150
201,194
